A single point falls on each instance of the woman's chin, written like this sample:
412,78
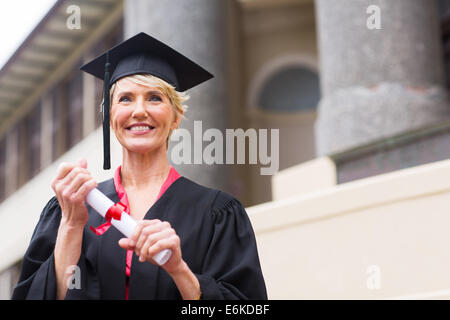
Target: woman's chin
142,149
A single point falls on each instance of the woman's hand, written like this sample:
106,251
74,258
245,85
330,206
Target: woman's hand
71,185
151,237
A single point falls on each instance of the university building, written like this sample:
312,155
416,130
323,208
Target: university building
358,90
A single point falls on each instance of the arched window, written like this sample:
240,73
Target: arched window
290,89
284,94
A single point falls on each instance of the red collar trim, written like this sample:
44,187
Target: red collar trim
171,178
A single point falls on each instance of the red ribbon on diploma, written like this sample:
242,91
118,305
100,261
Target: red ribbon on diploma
115,212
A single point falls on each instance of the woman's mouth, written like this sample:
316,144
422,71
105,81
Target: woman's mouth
141,129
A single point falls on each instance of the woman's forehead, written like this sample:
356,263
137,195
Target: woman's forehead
128,84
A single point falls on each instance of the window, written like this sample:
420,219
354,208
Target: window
290,89
59,121
75,109
23,152
34,141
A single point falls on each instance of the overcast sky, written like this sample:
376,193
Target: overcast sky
18,19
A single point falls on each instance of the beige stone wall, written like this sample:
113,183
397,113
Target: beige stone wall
382,237
310,176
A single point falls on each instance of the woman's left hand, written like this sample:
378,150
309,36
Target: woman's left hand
151,237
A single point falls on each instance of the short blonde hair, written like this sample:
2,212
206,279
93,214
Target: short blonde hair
176,98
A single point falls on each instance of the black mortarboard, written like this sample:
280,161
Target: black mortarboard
142,54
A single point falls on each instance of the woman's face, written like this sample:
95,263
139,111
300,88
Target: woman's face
141,116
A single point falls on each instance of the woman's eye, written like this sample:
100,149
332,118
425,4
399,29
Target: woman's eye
124,99
155,98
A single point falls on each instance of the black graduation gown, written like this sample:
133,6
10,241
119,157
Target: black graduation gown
217,243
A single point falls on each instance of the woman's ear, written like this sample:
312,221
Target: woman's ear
177,121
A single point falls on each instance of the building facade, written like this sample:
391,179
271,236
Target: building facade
371,98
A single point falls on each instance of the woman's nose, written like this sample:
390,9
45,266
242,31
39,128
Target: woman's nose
140,109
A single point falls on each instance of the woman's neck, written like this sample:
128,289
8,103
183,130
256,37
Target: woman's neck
142,170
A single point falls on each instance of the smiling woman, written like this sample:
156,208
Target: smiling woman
214,253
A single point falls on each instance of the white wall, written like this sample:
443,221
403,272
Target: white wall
382,237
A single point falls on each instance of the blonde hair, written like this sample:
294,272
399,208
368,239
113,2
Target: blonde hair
176,98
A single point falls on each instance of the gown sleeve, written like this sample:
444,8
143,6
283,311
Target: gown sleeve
231,268
37,280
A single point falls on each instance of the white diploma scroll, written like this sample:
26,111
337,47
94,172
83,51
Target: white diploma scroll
126,224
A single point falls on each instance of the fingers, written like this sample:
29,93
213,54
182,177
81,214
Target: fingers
73,182
66,168
172,242
75,172
82,163
78,181
83,190
152,244
136,236
150,237
63,169
149,231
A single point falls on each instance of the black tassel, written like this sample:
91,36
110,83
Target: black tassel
106,106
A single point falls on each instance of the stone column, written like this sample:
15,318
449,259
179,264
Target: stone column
89,107
196,28
377,82
12,161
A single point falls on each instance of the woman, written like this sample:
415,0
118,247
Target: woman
214,254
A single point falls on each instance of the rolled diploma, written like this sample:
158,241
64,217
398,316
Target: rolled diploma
126,224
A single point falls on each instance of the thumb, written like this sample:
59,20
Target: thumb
82,163
124,243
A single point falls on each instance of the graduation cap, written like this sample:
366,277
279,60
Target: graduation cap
142,54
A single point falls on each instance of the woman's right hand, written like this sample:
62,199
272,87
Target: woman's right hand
71,185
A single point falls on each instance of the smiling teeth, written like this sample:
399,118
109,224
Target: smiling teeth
140,128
